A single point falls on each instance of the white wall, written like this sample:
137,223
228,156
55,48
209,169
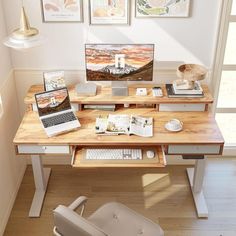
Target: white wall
177,39
11,167
5,62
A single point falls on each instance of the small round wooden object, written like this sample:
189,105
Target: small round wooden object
191,72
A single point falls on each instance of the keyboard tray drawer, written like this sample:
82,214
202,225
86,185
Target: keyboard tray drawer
79,160
41,149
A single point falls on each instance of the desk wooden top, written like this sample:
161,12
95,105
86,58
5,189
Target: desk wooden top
104,96
199,128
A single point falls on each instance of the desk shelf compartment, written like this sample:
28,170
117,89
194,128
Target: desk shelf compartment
79,160
183,107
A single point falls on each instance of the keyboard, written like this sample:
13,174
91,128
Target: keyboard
58,119
113,154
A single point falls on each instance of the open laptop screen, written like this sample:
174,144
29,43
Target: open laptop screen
52,101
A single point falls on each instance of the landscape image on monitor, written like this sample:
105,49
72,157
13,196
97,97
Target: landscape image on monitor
119,61
51,102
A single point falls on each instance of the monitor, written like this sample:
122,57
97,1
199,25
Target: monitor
119,62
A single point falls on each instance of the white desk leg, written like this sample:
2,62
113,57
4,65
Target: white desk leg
41,177
196,177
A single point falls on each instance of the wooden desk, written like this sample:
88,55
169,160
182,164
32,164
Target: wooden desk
104,97
200,136
199,128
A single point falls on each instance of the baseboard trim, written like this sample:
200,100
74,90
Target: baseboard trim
7,214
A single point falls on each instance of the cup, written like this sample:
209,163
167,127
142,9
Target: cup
174,124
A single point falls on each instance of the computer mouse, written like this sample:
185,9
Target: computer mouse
150,154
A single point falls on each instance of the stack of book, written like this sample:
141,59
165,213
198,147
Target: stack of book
174,91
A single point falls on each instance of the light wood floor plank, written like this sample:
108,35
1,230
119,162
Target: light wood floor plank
163,195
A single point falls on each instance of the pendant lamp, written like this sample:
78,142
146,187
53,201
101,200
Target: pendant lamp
25,37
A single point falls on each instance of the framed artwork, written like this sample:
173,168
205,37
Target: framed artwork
53,80
62,10
162,8
105,12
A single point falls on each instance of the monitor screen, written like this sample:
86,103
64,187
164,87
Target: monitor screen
119,62
52,102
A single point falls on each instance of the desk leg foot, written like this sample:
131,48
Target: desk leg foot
198,197
41,178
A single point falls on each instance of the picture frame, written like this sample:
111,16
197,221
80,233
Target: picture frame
151,8
113,12
53,80
62,11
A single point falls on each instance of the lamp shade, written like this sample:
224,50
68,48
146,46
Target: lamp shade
24,37
20,44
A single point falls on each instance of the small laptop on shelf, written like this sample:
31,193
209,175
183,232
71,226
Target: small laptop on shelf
55,112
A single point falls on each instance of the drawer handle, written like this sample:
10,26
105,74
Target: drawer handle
44,148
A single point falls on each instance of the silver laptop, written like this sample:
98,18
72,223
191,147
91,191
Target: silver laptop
55,112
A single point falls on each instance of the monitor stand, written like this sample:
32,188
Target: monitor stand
119,88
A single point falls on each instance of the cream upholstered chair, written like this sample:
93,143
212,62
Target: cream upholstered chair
111,219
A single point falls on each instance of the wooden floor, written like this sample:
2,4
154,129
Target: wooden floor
162,195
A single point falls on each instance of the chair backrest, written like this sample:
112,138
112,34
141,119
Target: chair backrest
69,223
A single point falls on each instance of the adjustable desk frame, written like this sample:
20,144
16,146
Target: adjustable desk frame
200,136
41,178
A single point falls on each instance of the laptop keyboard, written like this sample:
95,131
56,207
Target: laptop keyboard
58,119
